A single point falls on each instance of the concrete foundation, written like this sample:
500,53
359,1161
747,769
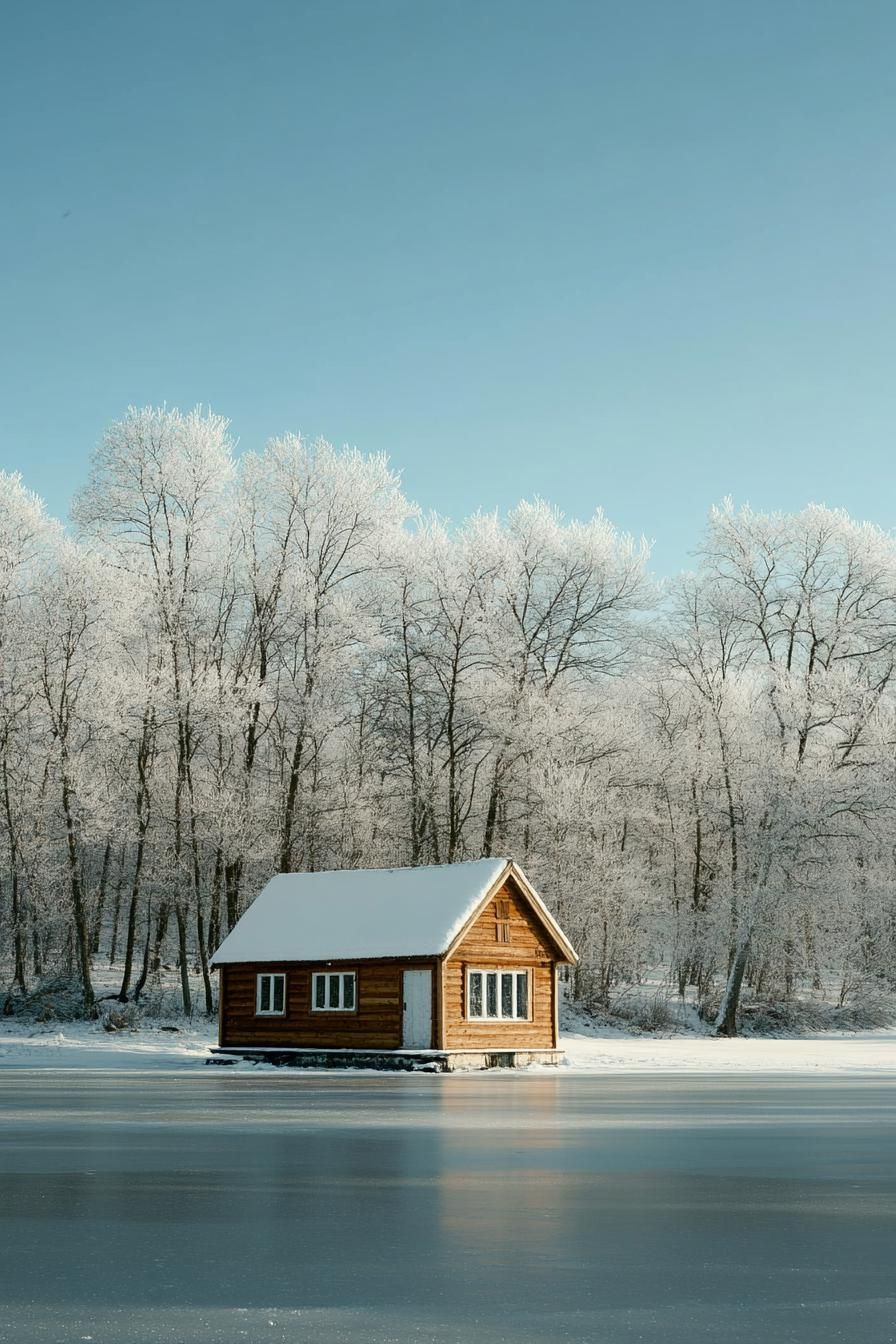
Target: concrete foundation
391,1061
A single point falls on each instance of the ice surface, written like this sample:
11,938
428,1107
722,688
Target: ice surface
278,1207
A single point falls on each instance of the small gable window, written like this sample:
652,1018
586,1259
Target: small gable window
496,995
334,992
270,995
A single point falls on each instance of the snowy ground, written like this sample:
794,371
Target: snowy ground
85,1045
860,1052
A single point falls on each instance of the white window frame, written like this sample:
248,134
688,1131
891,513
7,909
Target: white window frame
499,971
272,1011
342,977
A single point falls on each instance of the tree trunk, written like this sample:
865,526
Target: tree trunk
144,969
726,1021
491,815
214,914
233,873
37,959
100,901
162,918
18,938
82,931
132,913
203,961
18,931
289,807
183,957
130,939
116,918
197,896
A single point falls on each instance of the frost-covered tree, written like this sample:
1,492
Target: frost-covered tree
26,536
240,664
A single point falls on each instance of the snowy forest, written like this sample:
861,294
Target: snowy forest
230,665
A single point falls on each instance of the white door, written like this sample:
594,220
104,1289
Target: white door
416,1021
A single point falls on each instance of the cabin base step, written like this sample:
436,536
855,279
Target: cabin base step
391,1061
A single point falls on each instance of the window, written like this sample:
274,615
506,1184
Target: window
333,992
502,921
498,995
270,995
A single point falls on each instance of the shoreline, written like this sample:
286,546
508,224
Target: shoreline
85,1046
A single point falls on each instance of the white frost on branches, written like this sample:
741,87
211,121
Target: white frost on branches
242,665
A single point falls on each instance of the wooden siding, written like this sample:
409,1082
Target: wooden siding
374,1025
483,946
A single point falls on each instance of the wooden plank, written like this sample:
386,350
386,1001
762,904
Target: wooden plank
375,1023
462,1033
438,1029
513,884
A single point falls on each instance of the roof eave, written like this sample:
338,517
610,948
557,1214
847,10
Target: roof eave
570,957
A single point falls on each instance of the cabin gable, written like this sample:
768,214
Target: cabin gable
505,936
504,928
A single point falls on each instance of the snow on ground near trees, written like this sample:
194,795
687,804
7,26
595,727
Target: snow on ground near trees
86,1045
81,1045
859,1052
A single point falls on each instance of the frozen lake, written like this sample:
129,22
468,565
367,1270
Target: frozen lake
214,1206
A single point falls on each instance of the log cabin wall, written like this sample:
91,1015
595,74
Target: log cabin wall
374,1025
505,936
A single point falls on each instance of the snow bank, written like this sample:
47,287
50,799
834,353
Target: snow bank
85,1045
860,1052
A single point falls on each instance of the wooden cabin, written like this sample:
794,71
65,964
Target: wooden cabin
454,958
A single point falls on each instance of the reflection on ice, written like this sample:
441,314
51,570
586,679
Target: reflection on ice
380,1209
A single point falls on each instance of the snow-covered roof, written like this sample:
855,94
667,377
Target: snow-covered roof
372,912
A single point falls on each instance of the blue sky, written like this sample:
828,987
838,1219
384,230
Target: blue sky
637,255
